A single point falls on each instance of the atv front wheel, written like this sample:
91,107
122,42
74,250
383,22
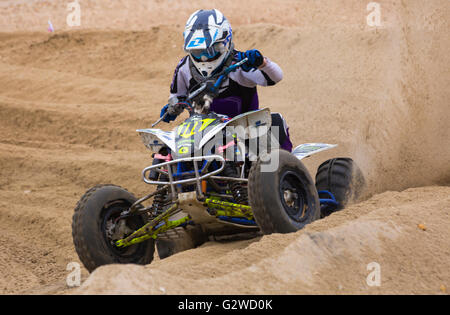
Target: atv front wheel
96,226
284,200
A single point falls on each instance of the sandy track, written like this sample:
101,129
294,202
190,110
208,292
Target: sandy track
70,103
329,256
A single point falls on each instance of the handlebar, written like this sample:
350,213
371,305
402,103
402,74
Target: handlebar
160,119
220,77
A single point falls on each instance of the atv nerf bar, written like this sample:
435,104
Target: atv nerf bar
198,173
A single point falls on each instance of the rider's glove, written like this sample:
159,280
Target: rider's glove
168,118
255,59
173,109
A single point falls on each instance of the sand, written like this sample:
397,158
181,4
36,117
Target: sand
71,100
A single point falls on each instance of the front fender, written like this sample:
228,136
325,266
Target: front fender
155,139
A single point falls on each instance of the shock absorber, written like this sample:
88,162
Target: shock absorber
159,201
238,191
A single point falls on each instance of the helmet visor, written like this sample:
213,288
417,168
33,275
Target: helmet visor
208,54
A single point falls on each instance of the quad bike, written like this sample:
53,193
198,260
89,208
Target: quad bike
213,177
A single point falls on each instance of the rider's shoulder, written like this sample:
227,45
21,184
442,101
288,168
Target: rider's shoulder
182,64
183,61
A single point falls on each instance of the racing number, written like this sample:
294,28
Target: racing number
186,131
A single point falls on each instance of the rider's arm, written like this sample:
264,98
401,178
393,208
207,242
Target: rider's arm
267,75
179,86
271,71
178,92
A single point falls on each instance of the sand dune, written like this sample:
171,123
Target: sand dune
70,103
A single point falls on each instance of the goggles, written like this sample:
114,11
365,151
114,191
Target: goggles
208,54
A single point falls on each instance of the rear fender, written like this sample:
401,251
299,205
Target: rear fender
307,149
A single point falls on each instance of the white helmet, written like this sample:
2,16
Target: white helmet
208,40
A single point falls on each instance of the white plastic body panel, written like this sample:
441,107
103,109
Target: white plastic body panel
308,149
253,124
154,139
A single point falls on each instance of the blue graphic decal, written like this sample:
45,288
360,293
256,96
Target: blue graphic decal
196,42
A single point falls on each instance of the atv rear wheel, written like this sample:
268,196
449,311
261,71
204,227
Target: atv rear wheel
284,200
343,178
95,229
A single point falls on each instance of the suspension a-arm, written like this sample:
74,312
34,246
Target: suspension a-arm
160,224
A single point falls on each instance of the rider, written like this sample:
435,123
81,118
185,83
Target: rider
208,41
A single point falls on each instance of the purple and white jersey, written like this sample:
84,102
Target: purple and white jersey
238,92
